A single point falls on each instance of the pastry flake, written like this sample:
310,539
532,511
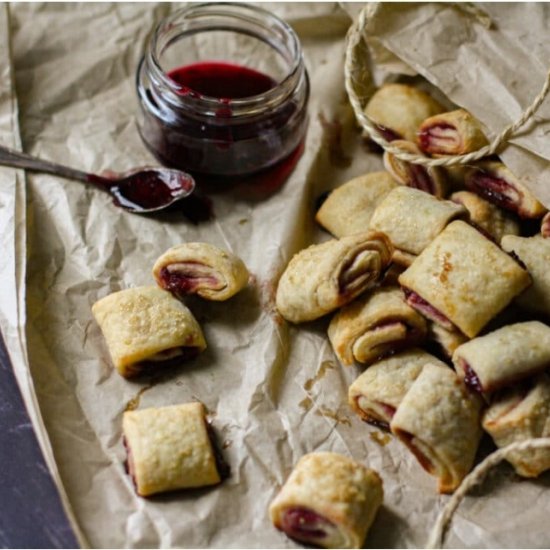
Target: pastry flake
378,392
348,209
373,326
326,276
503,356
145,327
202,269
169,448
439,421
329,500
462,279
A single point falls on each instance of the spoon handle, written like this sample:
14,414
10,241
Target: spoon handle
16,159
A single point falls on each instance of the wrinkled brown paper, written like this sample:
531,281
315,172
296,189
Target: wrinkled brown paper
275,391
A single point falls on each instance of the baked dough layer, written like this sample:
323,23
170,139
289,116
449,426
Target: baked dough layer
348,209
146,324
202,269
325,276
466,277
439,421
375,325
335,488
169,448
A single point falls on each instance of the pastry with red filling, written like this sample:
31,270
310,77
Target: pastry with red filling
503,356
323,277
169,448
329,500
453,133
378,392
146,328
462,279
375,326
520,413
202,269
439,421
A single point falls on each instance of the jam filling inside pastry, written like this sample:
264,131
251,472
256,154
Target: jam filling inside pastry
307,526
187,277
417,302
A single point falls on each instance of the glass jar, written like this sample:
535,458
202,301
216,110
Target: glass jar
223,91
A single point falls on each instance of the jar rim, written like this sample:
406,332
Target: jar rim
268,99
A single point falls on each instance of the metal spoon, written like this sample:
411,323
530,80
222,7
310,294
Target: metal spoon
142,191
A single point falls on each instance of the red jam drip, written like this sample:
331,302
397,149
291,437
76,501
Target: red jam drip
494,190
221,80
303,523
471,379
425,137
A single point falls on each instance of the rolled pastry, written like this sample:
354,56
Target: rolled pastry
169,448
374,326
147,327
329,500
412,219
439,421
462,279
496,183
348,209
520,413
453,133
503,356
429,179
534,252
545,226
399,109
378,392
326,276
202,269
447,340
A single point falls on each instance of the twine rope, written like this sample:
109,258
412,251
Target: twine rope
355,37
472,479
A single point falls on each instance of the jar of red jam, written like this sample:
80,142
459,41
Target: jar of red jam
223,91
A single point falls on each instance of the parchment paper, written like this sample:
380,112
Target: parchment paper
276,392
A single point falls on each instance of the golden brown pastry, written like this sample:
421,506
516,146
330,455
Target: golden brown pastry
486,216
326,276
374,326
520,413
503,356
400,109
169,448
348,209
329,500
496,183
447,340
202,269
147,327
534,252
378,392
439,421
412,219
453,133
429,179
462,279
545,226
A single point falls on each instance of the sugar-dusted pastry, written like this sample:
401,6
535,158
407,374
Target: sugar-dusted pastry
463,279
412,219
426,178
348,209
202,269
496,183
534,252
377,393
545,226
519,413
400,109
329,500
147,327
374,326
326,276
453,133
169,448
439,421
486,216
503,356
447,340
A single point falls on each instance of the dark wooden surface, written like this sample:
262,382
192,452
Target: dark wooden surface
31,515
